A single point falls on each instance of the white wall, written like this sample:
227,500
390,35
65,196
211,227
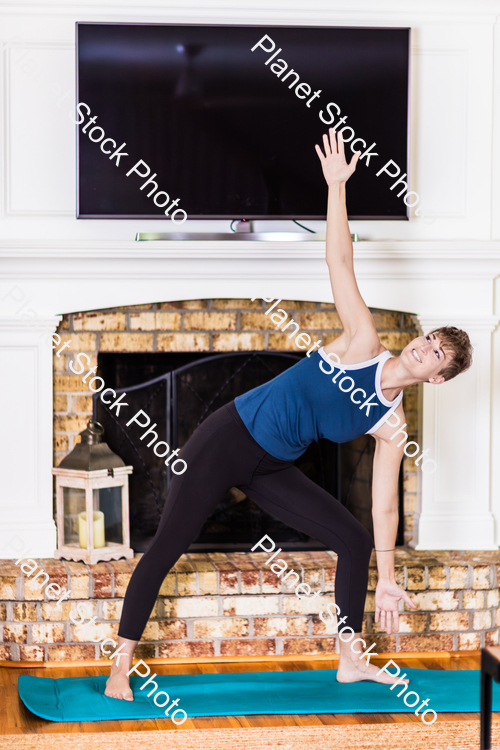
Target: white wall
442,266
454,141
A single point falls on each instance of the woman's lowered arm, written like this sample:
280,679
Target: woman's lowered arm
386,463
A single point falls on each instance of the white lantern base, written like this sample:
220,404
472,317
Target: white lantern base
111,551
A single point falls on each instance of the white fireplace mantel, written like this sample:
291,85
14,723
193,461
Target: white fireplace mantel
409,273
442,282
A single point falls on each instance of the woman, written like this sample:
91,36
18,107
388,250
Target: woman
252,443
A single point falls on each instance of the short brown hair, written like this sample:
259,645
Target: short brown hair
459,343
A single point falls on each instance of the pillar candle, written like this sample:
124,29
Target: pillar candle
98,529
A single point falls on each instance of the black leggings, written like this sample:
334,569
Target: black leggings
222,454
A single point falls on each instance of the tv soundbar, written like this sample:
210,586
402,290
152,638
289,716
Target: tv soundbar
246,236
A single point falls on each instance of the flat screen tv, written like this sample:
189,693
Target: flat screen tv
225,118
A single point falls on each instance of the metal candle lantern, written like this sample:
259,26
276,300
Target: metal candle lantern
92,501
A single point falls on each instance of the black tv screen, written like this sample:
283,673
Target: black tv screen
227,131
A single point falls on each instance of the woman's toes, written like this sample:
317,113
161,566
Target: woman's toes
118,687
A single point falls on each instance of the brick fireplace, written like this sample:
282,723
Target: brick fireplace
231,604
225,602
206,326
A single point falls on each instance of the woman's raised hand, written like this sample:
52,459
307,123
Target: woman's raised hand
335,167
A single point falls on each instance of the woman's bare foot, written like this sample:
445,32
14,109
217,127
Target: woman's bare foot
350,671
118,684
353,669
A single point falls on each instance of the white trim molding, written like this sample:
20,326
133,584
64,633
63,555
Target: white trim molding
26,435
455,502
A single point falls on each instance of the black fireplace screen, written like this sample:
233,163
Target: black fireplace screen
189,389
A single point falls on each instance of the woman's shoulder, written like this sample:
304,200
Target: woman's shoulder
355,350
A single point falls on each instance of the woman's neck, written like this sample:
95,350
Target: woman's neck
394,379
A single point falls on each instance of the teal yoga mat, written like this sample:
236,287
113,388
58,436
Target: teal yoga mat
304,692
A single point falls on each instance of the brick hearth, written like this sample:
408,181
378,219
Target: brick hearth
232,605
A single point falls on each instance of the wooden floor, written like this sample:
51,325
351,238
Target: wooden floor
16,719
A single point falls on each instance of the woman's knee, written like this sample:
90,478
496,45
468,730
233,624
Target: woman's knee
357,544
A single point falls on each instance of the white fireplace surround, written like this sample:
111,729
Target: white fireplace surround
443,283
444,267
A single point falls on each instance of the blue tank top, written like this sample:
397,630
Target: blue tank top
304,404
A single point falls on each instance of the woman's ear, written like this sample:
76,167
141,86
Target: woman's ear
437,381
